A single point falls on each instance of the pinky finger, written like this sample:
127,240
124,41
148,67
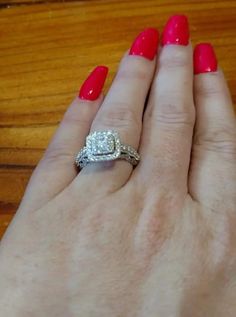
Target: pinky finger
57,169
213,163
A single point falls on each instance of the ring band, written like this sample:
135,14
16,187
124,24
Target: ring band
103,146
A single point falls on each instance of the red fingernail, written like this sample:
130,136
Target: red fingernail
176,31
204,58
145,44
92,87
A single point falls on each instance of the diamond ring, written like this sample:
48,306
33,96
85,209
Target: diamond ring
103,146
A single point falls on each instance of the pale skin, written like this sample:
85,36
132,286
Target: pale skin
157,240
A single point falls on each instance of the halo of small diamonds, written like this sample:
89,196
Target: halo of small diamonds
104,146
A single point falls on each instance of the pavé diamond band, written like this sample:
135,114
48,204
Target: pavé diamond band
102,146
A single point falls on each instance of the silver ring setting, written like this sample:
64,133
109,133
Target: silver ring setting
103,146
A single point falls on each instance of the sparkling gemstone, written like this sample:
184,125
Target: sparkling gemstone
103,144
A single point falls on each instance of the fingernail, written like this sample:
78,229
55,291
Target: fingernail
204,58
176,31
145,44
92,86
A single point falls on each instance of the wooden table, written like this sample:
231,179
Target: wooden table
48,47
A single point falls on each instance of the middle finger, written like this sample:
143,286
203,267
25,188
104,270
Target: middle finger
169,117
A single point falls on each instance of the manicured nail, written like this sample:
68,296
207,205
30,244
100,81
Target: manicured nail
176,31
145,44
92,87
204,58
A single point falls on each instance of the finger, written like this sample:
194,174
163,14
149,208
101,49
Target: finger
213,166
169,117
122,108
57,169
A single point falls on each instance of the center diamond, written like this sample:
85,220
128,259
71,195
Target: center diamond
103,144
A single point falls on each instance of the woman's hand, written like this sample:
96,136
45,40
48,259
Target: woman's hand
157,240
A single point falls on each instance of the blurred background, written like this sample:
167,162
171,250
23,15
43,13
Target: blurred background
47,49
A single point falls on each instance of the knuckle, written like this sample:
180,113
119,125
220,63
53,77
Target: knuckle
138,73
120,116
176,59
221,141
210,87
57,153
72,117
175,113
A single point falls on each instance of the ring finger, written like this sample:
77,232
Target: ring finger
122,109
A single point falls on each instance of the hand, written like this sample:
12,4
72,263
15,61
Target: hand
113,240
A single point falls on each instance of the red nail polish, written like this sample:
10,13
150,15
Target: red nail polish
176,31
204,58
145,44
92,86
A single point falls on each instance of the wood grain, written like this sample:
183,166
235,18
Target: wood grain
47,49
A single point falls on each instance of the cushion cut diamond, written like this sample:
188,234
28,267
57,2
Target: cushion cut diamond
103,144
